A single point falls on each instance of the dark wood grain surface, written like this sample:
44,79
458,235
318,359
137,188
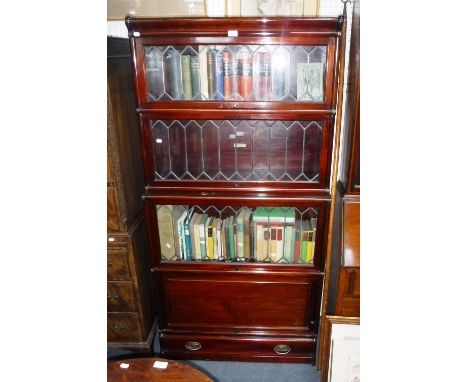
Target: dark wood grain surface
143,370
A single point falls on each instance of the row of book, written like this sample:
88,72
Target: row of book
215,73
264,235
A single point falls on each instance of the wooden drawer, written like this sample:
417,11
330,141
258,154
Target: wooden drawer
120,297
240,348
123,327
117,264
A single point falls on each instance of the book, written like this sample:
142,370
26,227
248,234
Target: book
310,81
272,244
240,232
228,74
211,73
154,72
196,232
209,238
311,241
245,74
263,76
279,244
304,239
192,235
297,243
219,75
274,215
231,240
186,76
181,235
177,211
279,74
223,253
172,74
215,238
246,228
166,231
201,228
203,70
218,245
266,237
289,243
195,74
258,244
188,244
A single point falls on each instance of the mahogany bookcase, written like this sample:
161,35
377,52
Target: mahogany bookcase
220,153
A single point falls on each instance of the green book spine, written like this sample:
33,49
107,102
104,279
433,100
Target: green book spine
195,71
186,76
304,236
211,73
231,238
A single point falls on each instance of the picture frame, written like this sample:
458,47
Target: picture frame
340,349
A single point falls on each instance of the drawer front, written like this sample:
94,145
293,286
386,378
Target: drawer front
120,297
117,264
243,304
112,210
225,347
123,327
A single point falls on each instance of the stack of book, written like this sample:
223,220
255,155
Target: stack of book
216,73
265,235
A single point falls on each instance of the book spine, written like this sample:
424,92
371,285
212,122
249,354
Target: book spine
180,230
219,251
211,73
192,236
240,237
245,75
273,250
227,249
232,249
227,66
173,74
209,239
246,228
264,75
154,73
203,63
279,243
195,74
310,238
297,245
265,242
258,251
201,228
188,246
304,247
287,243
219,76
186,76
166,233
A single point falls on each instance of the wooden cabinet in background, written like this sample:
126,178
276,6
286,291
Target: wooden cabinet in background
131,320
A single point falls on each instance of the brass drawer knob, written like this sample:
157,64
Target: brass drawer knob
112,296
282,349
109,263
192,345
119,325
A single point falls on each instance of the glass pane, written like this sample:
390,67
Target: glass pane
236,72
237,150
276,235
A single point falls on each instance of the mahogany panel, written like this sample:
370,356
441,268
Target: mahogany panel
351,233
123,327
112,210
120,297
348,302
238,348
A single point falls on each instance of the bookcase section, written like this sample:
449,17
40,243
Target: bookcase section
235,72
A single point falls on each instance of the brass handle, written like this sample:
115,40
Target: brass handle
119,325
193,345
111,296
282,349
109,263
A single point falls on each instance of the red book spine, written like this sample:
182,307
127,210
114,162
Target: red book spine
245,75
227,64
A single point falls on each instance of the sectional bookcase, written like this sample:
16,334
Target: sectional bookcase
237,129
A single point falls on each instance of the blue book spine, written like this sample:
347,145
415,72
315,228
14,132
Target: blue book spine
219,75
188,254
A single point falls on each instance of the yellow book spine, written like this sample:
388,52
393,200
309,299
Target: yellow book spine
210,243
310,247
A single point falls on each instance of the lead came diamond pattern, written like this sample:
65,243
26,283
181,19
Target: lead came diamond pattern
241,72
237,150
